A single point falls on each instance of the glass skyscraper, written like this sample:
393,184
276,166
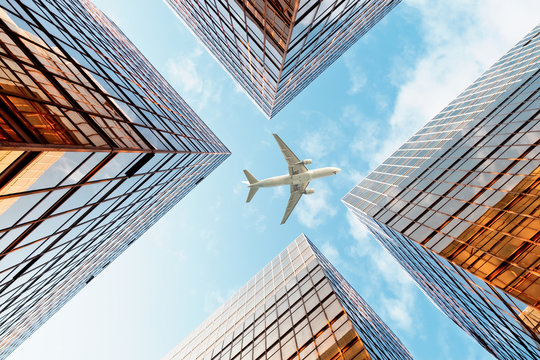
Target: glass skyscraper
95,146
297,307
274,48
458,205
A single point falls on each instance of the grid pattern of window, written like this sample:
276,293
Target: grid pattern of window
274,48
380,341
474,198
297,307
467,186
472,109
490,316
531,318
69,76
95,146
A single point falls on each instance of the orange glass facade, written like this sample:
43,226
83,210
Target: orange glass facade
274,48
466,187
95,146
297,307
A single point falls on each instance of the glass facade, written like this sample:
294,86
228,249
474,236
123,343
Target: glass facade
466,187
297,307
95,146
274,48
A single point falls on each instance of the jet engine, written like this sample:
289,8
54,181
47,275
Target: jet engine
309,191
306,162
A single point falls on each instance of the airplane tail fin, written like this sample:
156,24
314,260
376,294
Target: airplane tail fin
251,178
251,194
252,190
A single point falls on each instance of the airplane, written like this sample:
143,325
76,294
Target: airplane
298,178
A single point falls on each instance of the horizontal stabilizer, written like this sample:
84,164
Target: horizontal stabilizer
251,178
251,194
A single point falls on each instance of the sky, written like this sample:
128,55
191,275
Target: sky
392,81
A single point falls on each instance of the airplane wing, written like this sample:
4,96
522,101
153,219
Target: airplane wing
295,166
296,194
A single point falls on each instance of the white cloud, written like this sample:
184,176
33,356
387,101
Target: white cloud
215,298
184,72
399,308
238,189
330,252
462,39
314,209
319,142
256,218
357,77
397,293
355,176
195,83
278,192
399,304
364,244
352,115
179,255
66,165
367,139
209,239
212,301
315,144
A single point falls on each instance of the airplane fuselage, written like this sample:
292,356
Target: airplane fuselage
296,179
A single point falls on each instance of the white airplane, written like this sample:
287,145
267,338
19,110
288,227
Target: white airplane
298,178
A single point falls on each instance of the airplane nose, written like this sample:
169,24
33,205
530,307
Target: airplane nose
336,170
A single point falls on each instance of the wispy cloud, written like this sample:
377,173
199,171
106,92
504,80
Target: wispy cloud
239,188
462,40
367,139
278,192
320,142
364,138
355,176
352,115
209,239
184,72
400,302
215,298
255,218
357,77
331,253
195,83
212,301
315,144
314,209
397,292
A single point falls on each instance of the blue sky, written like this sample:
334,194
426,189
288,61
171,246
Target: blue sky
406,69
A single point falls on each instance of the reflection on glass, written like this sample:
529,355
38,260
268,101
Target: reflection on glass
457,205
306,311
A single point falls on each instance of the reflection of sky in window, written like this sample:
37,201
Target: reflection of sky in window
462,113
265,58
298,295
97,78
479,309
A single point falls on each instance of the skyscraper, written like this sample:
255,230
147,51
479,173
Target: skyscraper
95,146
274,48
297,307
458,205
